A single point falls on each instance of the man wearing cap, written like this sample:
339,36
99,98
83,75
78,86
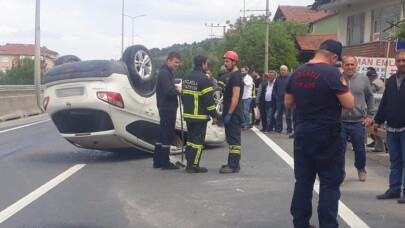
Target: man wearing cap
233,112
317,91
355,121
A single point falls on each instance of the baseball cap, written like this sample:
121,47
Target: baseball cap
332,46
371,73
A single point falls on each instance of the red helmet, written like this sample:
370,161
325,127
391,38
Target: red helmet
231,55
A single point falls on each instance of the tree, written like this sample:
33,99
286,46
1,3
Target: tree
249,42
22,72
400,33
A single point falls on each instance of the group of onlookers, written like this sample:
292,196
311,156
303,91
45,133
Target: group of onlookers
266,95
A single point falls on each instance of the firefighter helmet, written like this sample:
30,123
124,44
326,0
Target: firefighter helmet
231,55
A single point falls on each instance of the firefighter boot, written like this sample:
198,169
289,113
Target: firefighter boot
193,161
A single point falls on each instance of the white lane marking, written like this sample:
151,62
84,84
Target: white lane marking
20,204
344,212
27,125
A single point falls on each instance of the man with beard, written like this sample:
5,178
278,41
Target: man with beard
392,110
233,112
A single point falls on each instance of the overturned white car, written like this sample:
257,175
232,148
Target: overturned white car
110,105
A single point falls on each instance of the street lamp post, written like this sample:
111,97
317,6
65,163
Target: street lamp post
37,66
132,18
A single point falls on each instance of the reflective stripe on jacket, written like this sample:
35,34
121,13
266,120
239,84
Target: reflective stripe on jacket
198,97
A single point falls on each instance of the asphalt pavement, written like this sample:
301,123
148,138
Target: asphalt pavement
47,182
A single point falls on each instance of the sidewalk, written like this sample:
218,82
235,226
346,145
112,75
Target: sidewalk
381,158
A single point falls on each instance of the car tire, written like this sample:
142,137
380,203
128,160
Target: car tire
67,59
218,99
139,63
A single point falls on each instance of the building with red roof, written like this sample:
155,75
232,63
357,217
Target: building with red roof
322,25
10,52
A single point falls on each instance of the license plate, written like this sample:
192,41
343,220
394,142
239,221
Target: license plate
68,92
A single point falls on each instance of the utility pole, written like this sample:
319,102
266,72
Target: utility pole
215,26
132,18
266,45
37,66
122,30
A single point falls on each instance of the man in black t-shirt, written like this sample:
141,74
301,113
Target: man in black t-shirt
317,91
233,112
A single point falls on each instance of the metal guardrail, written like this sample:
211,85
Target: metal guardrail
18,90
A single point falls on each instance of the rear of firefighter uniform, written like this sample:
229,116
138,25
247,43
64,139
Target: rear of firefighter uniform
233,130
199,105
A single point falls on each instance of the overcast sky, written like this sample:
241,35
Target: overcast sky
91,29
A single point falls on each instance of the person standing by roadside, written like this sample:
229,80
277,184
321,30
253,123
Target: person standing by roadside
247,96
378,87
233,112
167,103
199,104
256,83
317,91
392,110
279,91
260,101
266,102
354,122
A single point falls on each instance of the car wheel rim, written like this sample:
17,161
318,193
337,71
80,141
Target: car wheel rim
143,64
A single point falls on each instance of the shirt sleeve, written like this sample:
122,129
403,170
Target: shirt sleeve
337,83
238,81
369,98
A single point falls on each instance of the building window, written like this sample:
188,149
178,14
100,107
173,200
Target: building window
355,29
382,18
5,59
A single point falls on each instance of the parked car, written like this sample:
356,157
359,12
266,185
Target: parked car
110,105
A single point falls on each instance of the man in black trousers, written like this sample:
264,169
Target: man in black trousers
167,103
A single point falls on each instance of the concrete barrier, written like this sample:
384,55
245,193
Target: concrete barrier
17,102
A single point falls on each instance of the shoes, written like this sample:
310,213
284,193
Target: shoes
229,169
266,132
362,174
376,151
371,144
401,200
312,226
196,169
291,136
169,166
245,128
389,194
278,132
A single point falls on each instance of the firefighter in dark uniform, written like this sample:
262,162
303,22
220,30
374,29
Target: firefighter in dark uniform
233,112
223,78
199,105
167,103
318,92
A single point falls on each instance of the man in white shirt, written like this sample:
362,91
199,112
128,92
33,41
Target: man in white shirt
246,97
270,102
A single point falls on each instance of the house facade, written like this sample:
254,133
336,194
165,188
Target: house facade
364,25
9,53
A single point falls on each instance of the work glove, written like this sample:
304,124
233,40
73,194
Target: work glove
227,118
